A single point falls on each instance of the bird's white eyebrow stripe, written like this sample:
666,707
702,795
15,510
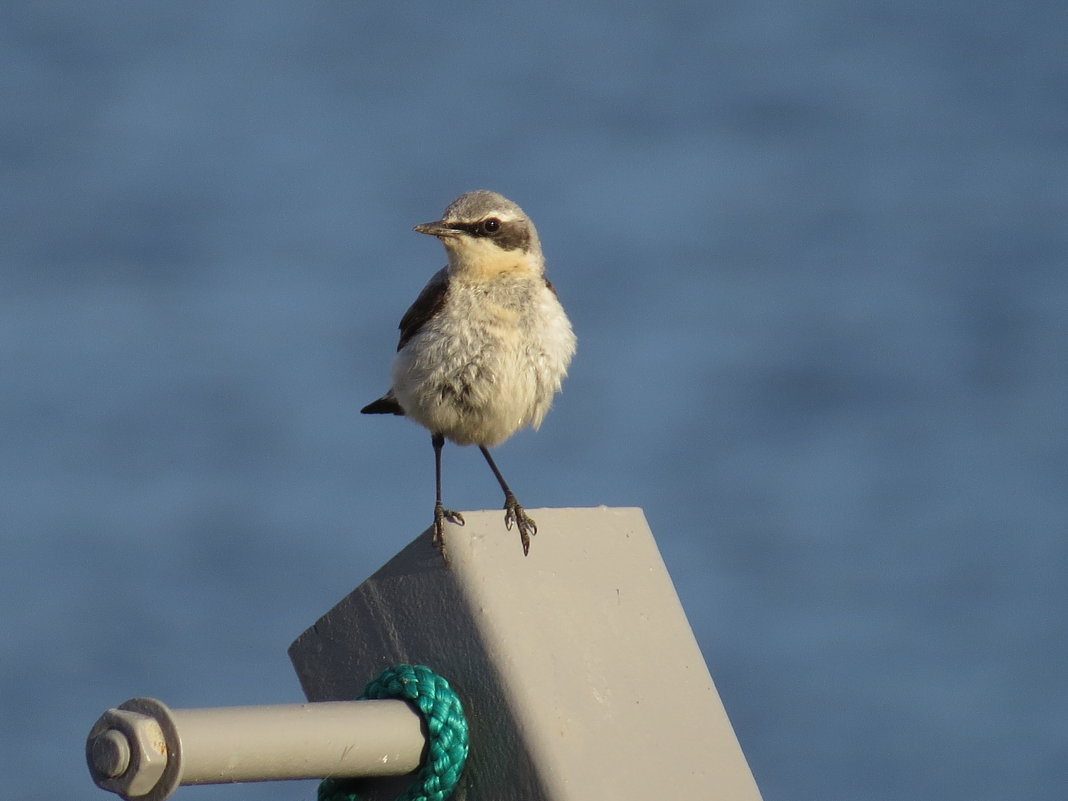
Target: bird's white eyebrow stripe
504,215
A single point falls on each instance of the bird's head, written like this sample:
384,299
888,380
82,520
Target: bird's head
485,235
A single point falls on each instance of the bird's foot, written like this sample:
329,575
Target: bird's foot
516,515
441,514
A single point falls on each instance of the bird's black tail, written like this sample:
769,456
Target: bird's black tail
387,404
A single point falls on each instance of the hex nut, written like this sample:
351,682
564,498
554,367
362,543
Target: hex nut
146,747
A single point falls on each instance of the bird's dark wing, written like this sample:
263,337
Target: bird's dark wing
426,306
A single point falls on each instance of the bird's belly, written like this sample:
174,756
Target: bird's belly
473,395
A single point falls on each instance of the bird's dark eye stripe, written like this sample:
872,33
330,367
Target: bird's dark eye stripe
480,228
512,235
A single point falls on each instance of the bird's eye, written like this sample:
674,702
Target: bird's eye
491,226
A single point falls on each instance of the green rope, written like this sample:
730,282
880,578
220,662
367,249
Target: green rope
446,725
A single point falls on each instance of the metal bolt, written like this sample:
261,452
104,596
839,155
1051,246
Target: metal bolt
109,754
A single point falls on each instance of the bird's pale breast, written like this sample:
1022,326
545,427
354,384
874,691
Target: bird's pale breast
488,363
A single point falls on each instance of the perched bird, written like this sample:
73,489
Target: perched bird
485,346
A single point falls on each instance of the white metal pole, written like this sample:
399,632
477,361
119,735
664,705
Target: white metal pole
145,750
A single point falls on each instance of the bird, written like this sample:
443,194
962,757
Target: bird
486,345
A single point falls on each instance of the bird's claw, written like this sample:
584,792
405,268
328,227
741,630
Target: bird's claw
441,514
516,515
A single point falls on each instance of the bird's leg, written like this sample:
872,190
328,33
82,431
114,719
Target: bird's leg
441,514
513,512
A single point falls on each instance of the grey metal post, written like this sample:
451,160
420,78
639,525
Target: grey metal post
579,673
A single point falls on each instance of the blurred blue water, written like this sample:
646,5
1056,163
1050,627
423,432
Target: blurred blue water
816,257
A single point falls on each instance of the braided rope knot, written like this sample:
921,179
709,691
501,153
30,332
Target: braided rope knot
447,743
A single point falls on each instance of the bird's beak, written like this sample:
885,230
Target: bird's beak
438,228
